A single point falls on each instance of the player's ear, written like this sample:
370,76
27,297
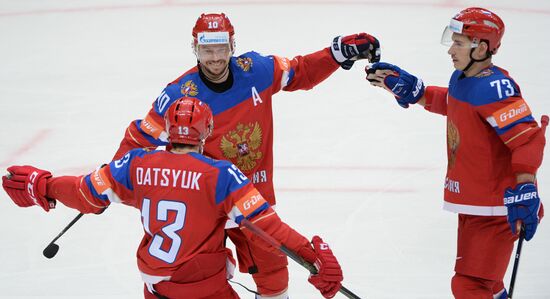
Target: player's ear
483,49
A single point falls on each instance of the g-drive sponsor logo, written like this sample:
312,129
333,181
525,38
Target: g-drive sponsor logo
212,38
514,112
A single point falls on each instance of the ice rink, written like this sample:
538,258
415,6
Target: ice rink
350,165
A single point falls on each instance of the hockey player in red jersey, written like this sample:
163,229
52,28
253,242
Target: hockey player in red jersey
185,199
494,149
239,91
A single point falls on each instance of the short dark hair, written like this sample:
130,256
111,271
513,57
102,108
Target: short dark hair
182,146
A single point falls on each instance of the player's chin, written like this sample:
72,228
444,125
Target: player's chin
216,68
459,65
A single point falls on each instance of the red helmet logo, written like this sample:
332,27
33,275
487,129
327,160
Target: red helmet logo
188,121
213,29
481,24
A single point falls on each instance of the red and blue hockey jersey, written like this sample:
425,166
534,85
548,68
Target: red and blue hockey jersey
184,199
243,121
491,137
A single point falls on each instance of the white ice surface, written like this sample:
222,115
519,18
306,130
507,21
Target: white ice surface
350,164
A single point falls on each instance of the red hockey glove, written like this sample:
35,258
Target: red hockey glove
26,185
329,278
346,49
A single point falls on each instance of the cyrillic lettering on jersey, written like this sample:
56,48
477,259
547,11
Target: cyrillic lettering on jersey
259,177
167,177
452,186
256,96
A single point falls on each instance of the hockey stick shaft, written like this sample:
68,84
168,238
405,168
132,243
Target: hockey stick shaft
544,123
516,263
291,254
66,228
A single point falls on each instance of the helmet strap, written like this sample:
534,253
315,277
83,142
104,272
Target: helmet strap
473,60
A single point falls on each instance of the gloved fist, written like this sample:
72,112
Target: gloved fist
26,185
523,205
407,88
346,49
328,279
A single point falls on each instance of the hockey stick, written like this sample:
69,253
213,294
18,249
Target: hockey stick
516,263
544,123
52,248
311,268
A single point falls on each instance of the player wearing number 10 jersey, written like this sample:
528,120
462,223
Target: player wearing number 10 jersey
185,200
239,90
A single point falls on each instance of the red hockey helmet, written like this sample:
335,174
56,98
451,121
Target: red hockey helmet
478,24
213,29
188,121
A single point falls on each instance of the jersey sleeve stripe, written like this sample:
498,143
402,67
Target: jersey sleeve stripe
501,131
83,193
517,135
93,191
104,192
263,216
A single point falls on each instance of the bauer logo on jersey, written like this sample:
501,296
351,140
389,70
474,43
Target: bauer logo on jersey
509,114
241,145
250,202
189,89
245,63
213,38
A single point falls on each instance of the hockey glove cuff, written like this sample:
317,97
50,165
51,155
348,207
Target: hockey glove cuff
329,278
523,205
346,49
26,186
406,88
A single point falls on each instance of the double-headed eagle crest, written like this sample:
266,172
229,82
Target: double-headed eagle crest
241,145
189,89
453,141
244,63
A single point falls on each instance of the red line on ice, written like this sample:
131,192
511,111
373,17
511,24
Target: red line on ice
173,3
350,190
37,138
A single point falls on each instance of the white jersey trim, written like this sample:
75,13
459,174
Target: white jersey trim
150,280
475,210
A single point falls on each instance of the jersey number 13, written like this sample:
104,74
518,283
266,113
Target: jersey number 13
170,230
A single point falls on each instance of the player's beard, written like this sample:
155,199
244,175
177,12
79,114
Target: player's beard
217,72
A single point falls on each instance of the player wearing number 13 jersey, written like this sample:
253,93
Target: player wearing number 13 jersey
185,200
239,91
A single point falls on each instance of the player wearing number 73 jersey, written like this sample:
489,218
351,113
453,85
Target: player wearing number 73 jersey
185,199
494,149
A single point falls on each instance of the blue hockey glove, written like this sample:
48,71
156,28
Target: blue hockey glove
523,205
407,88
346,49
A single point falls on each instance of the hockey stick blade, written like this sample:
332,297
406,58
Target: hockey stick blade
51,250
291,254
